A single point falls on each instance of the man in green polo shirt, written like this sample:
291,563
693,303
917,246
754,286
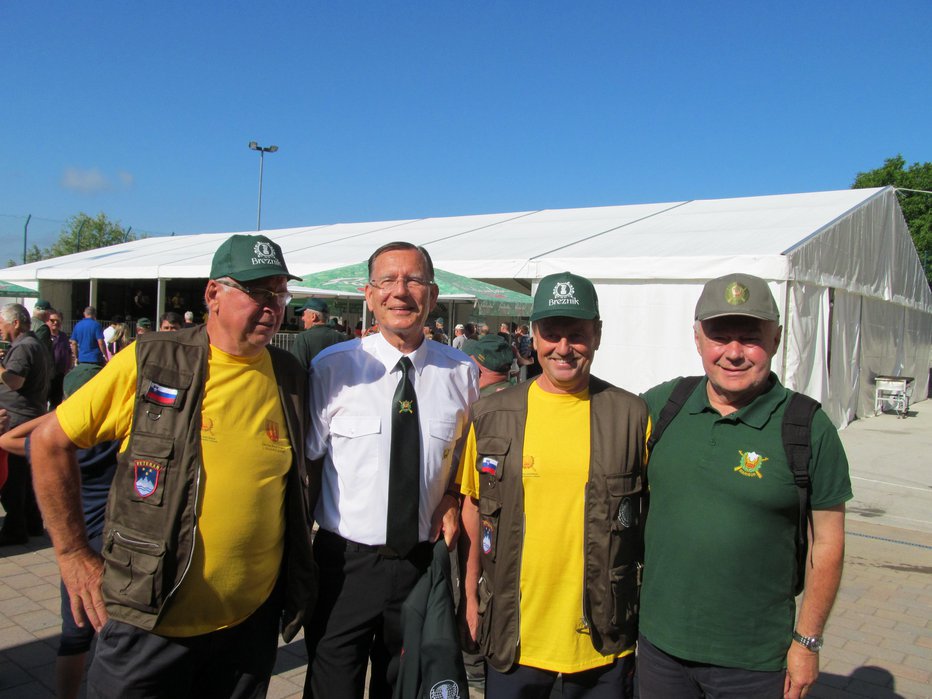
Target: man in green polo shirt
717,603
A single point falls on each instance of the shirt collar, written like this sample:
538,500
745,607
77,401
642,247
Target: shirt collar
756,413
389,355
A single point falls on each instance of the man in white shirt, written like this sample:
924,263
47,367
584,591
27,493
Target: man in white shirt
355,401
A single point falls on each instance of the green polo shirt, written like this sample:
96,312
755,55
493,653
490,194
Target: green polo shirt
720,537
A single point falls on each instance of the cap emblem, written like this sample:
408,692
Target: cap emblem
265,254
736,294
564,294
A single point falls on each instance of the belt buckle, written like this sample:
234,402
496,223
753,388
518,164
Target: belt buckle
387,552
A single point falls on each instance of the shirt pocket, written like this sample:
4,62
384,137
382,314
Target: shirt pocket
355,448
442,434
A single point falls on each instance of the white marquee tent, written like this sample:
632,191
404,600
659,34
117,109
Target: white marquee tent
841,264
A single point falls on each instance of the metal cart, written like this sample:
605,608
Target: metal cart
895,390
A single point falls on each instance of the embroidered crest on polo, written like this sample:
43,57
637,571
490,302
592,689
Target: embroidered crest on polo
736,294
406,406
445,689
146,476
751,463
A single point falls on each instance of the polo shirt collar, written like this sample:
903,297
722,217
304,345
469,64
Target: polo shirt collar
756,414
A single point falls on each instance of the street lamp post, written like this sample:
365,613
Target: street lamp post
262,151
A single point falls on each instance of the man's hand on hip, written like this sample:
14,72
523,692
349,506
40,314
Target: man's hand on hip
83,572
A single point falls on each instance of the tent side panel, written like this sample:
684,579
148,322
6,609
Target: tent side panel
806,340
647,332
917,351
869,252
841,401
881,338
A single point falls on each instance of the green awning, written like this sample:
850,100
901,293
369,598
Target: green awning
11,290
486,299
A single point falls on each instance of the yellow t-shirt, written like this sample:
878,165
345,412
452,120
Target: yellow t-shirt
555,471
246,455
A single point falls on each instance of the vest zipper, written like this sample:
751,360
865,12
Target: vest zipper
187,566
518,576
585,612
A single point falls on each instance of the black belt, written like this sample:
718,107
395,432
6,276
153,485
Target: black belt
335,541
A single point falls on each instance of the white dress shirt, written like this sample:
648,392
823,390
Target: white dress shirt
351,386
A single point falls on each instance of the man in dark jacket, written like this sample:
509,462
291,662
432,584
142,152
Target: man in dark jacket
317,334
25,372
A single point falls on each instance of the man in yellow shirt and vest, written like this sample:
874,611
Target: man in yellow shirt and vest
206,545
552,478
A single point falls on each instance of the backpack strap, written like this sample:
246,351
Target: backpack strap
797,443
671,409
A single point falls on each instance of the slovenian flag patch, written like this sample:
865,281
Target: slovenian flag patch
161,395
488,465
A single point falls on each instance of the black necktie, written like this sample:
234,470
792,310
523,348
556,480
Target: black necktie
405,467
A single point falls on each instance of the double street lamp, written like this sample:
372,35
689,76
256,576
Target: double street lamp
262,151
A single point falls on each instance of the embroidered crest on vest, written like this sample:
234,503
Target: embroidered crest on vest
146,478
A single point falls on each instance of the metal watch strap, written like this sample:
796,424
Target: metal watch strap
812,643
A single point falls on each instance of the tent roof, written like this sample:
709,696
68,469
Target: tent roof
696,239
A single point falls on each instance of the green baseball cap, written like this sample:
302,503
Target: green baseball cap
318,305
491,351
565,295
737,295
249,257
144,323
80,375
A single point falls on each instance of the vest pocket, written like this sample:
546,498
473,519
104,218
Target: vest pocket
625,582
489,519
485,616
624,503
149,457
624,509
133,570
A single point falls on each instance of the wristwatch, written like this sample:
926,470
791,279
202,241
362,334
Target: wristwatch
813,643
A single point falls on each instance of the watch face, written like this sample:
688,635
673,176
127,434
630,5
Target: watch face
813,643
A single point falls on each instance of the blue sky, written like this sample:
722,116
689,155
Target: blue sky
392,110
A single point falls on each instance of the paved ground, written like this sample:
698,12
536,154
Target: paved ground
878,643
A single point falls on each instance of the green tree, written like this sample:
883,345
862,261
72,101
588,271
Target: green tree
81,232
917,206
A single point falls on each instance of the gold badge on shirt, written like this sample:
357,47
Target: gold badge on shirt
751,463
527,467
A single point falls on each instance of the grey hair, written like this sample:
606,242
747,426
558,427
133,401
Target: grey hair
15,311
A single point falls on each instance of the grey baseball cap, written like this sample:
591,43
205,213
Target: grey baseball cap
737,295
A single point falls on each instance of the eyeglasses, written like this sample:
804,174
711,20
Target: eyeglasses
263,297
54,320
389,283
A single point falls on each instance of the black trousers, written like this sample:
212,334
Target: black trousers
232,663
357,617
19,502
614,681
